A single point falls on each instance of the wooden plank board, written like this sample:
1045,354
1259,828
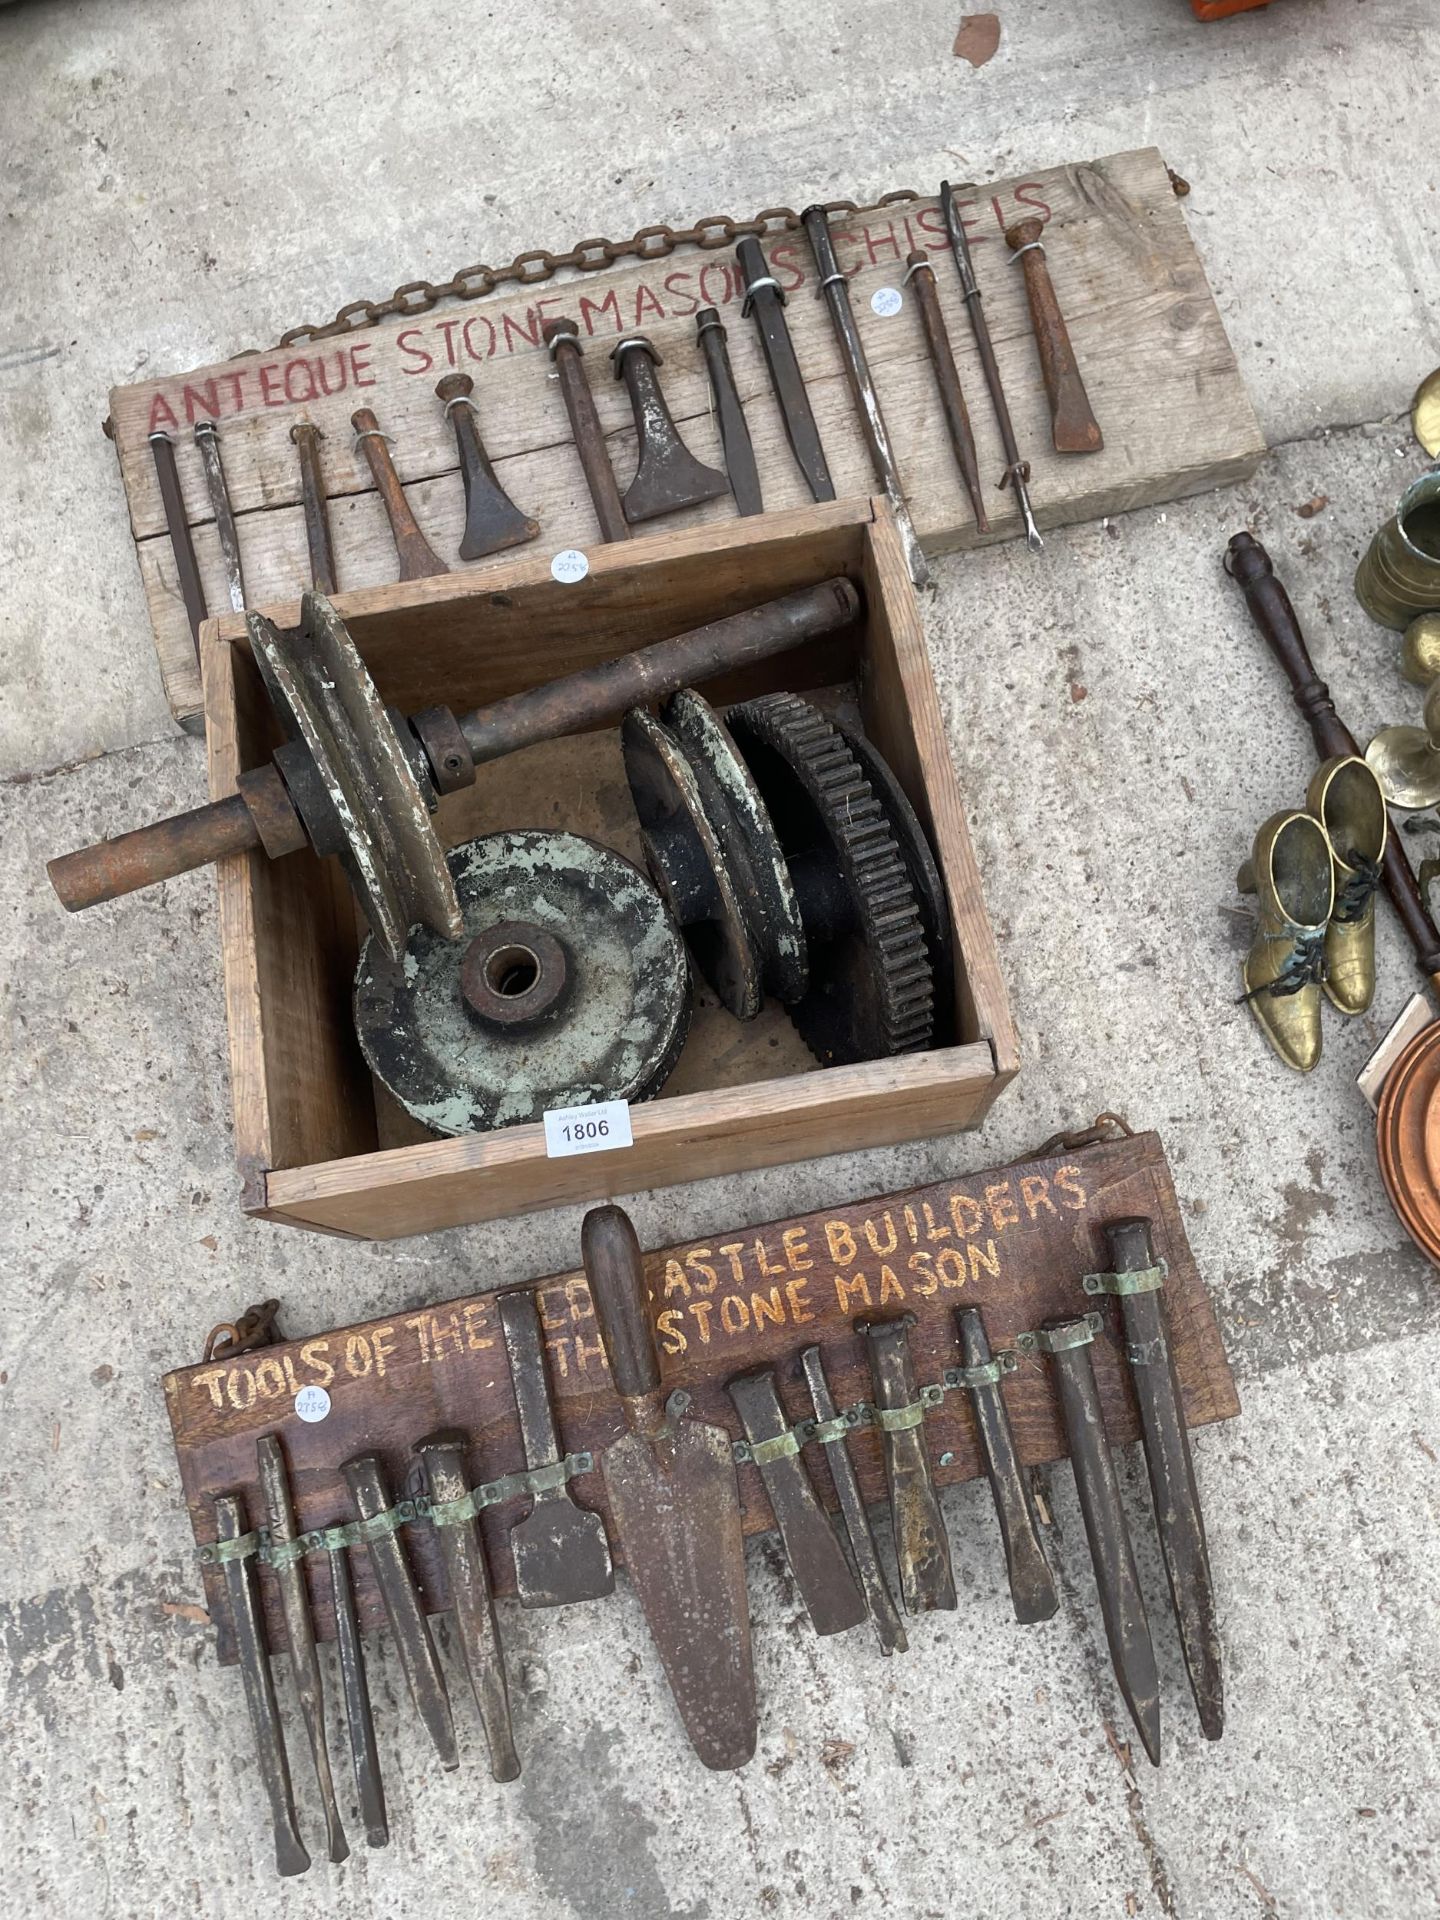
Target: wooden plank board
1012,1240
1160,372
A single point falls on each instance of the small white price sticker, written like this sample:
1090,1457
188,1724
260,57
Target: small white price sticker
569,566
312,1404
886,301
587,1129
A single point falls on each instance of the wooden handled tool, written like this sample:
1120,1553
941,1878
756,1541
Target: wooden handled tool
1250,566
675,1504
1136,1280
1073,425
418,559
561,1552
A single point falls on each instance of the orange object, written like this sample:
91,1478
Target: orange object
1217,9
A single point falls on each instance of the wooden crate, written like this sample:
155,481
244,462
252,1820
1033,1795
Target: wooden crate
1160,372
318,1145
1012,1240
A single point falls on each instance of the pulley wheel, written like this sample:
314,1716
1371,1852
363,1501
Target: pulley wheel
871,989
571,987
923,869
750,842
346,769
681,821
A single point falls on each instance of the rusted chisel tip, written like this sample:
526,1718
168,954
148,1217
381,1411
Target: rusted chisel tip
1212,1714
1146,1716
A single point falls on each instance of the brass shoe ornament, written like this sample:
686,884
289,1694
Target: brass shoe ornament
1291,874
1346,799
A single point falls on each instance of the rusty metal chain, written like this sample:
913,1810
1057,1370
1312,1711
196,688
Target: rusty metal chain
587,256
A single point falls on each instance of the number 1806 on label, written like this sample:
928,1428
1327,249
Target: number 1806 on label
587,1129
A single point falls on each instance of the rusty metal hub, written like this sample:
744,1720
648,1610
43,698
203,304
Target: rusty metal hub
572,987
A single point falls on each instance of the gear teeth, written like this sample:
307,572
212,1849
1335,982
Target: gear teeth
886,906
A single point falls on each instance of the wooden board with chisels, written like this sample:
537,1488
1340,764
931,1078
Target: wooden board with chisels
1160,373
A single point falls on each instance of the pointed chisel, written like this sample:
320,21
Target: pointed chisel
765,303
922,1551
1122,1605
1032,1584
359,1720
817,1560
242,1589
418,1659
465,1569
207,440
187,567
889,1628
418,559
299,1629
316,514
835,291
560,1549
1136,1280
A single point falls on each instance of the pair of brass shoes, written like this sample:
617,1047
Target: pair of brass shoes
1314,874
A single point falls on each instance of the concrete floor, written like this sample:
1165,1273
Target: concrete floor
180,182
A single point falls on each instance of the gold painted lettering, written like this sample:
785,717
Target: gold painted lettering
965,1215
800,1313
702,1310
890,1287
232,1388
1068,1180
210,1379
989,1260
796,1247
762,1260
675,1280
313,1354
732,1254
585,1351
383,1349
874,1239
419,1323
1001,1202
269,1378
707,1279
672,1340
923,1263
841,1242
358,1358
734,1314
766,1306
552,1319
477,1317
933,1228
847,1292
950,1265
577,1298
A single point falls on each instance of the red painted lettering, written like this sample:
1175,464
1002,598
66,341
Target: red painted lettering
204,400
421,355
162,415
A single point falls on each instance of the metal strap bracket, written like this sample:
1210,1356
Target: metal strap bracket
1142,1280
1074,1333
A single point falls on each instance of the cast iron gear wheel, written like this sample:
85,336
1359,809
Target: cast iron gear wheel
872,987
570,985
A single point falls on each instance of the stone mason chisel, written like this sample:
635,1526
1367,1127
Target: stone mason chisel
889,1629
418,559
667,475
411,1630
493,522
920,276
922,1551
207,440
318,542
299,1628
562,339
1122,1605
451,1516
764,302
1017,471
242,1590
561,1552
1073,425
1136,1280
675,1504
1032,1583
730,413
835,291
359,1719
822,1573
187,567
